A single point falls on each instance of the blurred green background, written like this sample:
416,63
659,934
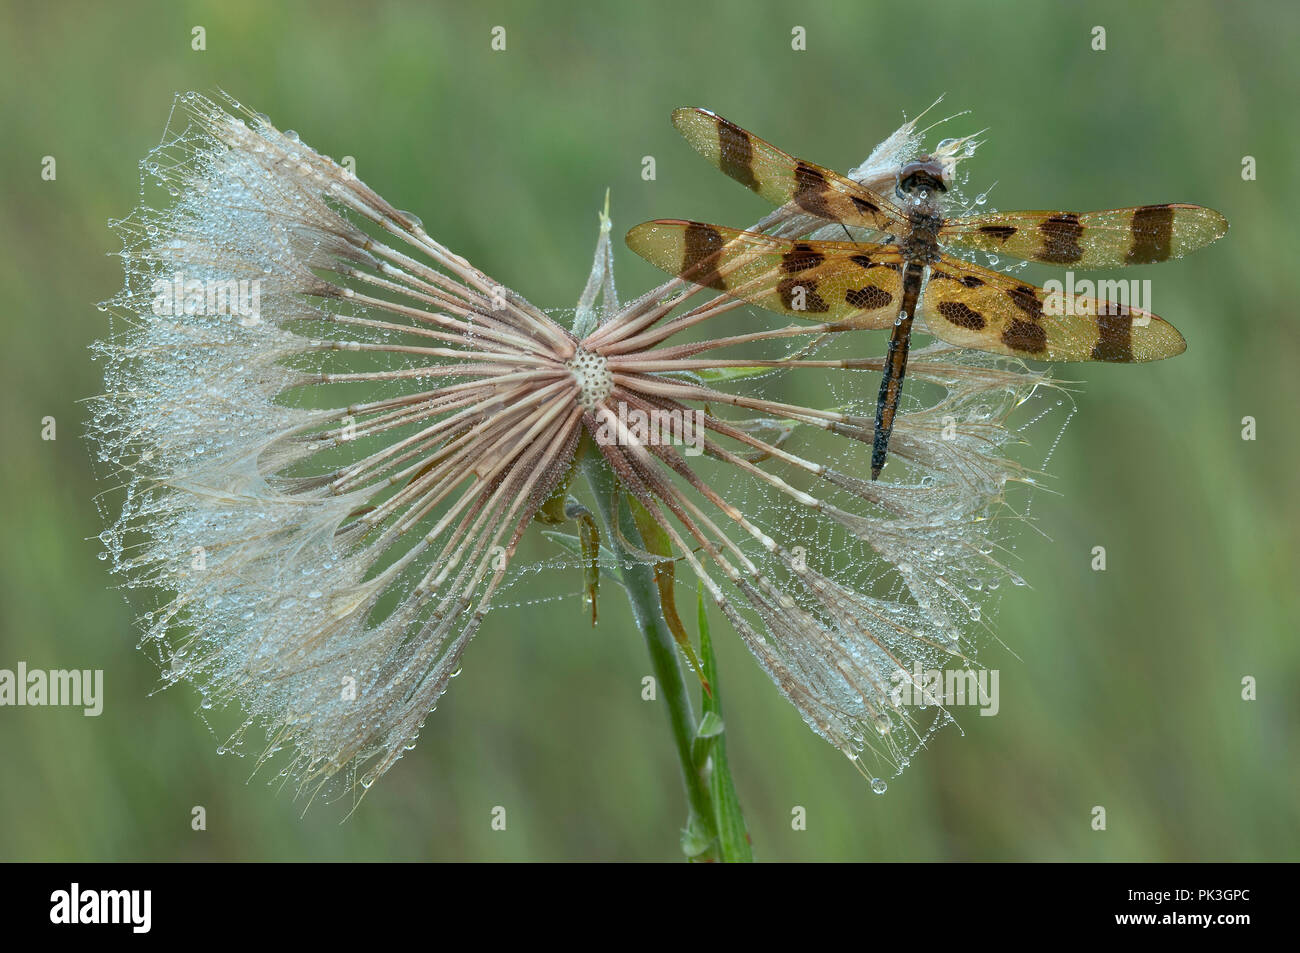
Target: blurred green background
1124,689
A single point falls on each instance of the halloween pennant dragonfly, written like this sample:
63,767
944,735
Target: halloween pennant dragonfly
855,285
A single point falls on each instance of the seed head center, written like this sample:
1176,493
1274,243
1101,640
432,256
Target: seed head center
595,382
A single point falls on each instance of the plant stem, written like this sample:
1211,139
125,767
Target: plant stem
643,594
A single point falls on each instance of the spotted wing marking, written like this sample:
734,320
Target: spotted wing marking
978,308
1111,238
857,284
780,178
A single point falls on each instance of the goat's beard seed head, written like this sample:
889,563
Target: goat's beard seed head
591,374
326,477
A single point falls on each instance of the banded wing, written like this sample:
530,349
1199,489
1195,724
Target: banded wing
987,310
856,284
1106,239
780,178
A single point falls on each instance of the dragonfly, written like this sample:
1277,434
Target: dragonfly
881,285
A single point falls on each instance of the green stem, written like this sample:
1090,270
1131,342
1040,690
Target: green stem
643,594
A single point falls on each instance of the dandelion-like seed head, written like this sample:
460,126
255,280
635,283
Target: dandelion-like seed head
332,432
591,374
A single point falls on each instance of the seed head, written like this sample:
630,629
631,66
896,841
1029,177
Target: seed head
332,432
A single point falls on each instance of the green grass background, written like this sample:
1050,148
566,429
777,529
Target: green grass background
1126,689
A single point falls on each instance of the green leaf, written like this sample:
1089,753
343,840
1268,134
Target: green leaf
710,725
567,540
733,835
695,839
702,744
657,543
606,562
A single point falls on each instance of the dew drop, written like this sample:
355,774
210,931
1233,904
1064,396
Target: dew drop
879,786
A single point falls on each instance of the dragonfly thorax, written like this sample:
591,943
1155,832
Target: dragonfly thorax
921,244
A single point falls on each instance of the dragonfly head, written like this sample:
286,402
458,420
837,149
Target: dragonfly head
924,176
